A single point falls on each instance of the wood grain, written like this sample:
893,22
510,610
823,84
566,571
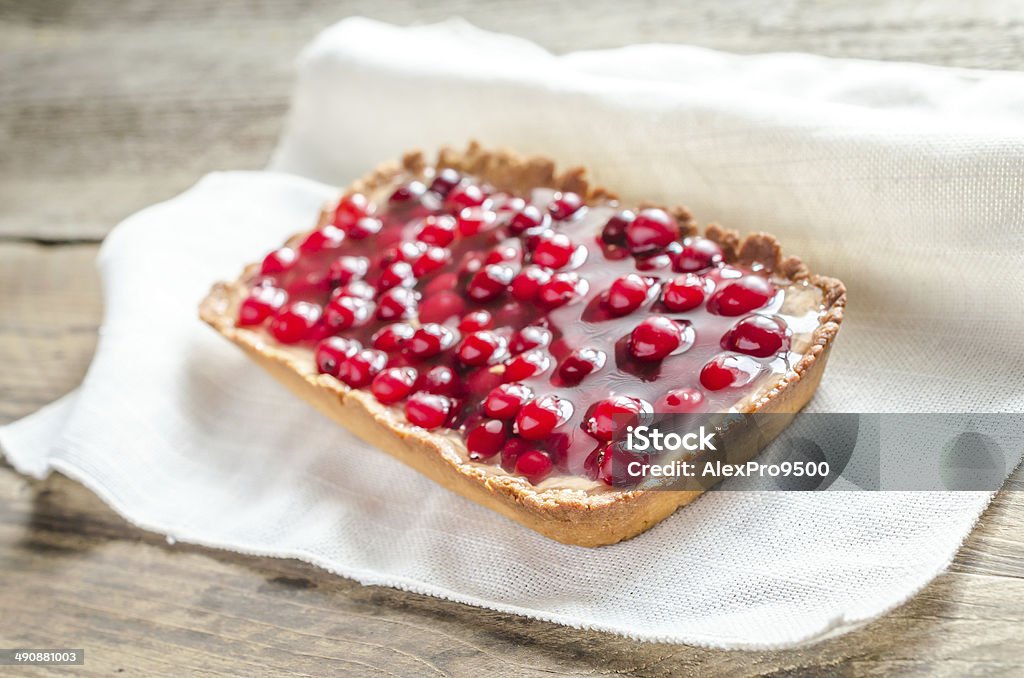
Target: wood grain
107,107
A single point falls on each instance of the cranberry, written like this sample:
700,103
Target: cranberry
685,293
344,312
696,255
359,370
526,365
430,340
502,254
466,195
359,289
608,417
757,335
729,371
741,296
365,227
560,290
476,320
527,283
351,209
328,237
262,302
409,250
332,351
533,464
481,348
294,322
441,306
564,205
399,302
344,270
279,261
511,450
484,440
539,417
655,338
489,282
427,410
441,380
528,220
626,294
614,231
437,230
505,401
651,230
444,181
613,466
473,220
554,250
681,401
431,260
393,384
580,363
391,338
408,194
530,337
395,275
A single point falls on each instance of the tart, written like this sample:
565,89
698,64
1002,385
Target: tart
490,321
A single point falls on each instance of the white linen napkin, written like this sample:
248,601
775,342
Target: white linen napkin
904,180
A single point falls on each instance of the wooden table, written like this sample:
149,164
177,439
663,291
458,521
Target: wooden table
108,107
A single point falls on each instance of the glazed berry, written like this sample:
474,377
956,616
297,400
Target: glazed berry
503,254
344,312
427,410
332,351
442,306
279,261
560,290
729,371
395,275
611,416
360,289
358,370
505,401
553,250
564,205
511,450
327,238
476,320
441,380
757,335
680,401
528,338
489,282
444,181
539,417
396,303
345,269
393,384
626,294
391,338
533,464
579,364
430,340
655,338
364,228
262,302
408,194
437,230
529,219
485,440
685,293
696,254
433,259
527,283
473,220
294,322
351,209
741,296
526,365
614,231
481,348
652,230
465,195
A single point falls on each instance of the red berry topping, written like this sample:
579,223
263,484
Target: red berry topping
564,205
484,440
360,289
527,283
465,195
332,351
359,370
655,338
344,312
503,254
530,337
511,450
529,219
757,335
554,250
696,255
428,410
608,417
364,228
741,296
533,464
652,230
476,320
685,293
351,209
326,238
393,384
430,340
437,230
525,365
729,371
473,220
681,401
626,294
396,303
395,275
505,401
408,194
539,417
391,338
442,306
560,290
481,348
489,282
279,261
344,270
262,302
295,322
428,262
614,231
445,180
441,380
580,363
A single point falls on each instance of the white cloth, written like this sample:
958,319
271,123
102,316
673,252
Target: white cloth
904,180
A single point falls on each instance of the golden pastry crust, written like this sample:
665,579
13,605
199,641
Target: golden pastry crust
568,515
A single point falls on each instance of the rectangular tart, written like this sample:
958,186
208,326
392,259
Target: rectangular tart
492,322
